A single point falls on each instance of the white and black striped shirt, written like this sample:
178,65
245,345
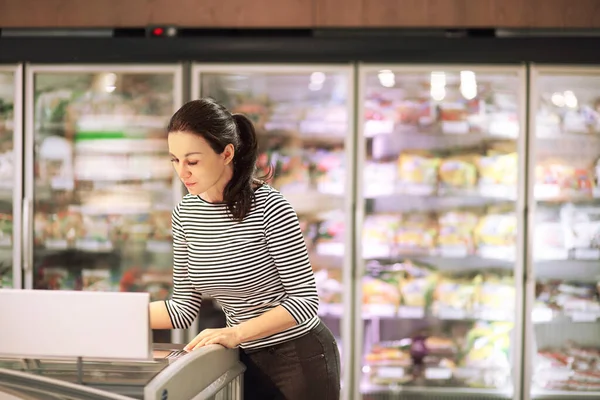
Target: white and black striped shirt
249,267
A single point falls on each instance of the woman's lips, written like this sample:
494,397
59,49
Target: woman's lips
188,184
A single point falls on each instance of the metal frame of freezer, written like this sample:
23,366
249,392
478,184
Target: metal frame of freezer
520,72
29,142
199,375
17,71
535,70
349,206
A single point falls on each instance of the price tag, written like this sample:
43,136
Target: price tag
580,316
587,254
390,372
438,373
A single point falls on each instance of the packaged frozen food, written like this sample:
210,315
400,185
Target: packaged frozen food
498,169
96,280
456,237
454,118
418,174
418,113
495,235
380,293
581,227
329,285
328,171
459,172
379,234
417,233
454,297
495,297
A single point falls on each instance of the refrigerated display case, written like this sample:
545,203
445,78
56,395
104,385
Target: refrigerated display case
303,117
440,229
563,329
11,175
99,188
212,372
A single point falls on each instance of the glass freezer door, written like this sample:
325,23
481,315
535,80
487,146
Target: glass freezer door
303,119
565,168
11,175
100,188
439,200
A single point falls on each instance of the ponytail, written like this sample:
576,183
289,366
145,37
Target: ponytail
239,192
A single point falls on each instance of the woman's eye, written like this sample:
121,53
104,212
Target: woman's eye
192,163
173,160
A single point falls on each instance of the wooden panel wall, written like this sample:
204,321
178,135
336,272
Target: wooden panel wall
302,13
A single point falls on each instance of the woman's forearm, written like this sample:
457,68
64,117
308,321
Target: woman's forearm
270,323
159,316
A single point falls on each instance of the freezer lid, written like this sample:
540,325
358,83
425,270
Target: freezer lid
75,324
17,385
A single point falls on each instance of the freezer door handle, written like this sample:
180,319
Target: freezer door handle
27,239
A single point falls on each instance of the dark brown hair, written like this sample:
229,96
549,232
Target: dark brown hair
213,122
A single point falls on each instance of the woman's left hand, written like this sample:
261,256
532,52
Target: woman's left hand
227,337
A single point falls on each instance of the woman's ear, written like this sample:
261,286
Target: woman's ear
228,153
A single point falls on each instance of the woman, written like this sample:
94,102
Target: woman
239,241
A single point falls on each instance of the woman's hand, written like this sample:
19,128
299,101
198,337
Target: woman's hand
227,337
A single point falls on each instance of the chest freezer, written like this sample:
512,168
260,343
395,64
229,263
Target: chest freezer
101,340
212,372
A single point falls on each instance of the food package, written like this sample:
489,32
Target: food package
160,221
556,178
416,113
549,238
329,285
454,297
417,285
417,233
581,226
488,346
495,297
55,278
332,228
381,290
98,280
417,173
498,169
328,172
379,234
572,367
495,234
456,235
454,118
459,172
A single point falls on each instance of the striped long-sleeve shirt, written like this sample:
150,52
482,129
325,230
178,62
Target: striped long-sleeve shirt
249,267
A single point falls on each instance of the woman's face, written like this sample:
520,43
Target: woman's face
202,171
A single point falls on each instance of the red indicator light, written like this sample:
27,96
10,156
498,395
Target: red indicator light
158,31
